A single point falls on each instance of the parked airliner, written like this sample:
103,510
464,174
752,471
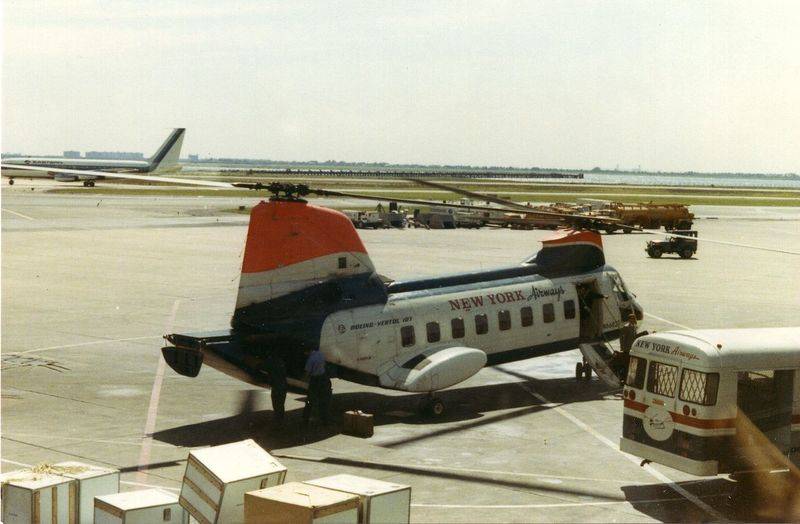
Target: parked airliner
165,160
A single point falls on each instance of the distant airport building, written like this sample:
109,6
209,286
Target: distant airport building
114,155
194,158
72,154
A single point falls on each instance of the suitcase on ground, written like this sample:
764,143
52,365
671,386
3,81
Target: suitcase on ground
359,424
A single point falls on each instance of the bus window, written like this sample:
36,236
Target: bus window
457,327
407,336
504,319
481,324
569,309
548,312
636,370
434,333
526,316
662,379
698,387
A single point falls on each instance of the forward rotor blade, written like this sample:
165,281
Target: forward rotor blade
713,241
123,176
579,219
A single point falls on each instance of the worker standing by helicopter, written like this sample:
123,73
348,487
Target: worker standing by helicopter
319,388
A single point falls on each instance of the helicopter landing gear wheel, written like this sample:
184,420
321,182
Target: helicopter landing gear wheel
432,407
578,371
88,183
587,372
10,181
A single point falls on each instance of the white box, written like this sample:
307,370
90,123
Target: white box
217,478
380,502
147,506
90,482
30,497
296,502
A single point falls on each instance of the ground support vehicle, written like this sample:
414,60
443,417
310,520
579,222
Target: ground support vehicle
684,247
650,216
715,401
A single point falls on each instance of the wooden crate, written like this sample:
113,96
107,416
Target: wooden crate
30,497
90,482
146,506
217,478
298,503
379,502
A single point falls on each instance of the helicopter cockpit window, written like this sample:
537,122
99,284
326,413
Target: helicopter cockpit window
619,287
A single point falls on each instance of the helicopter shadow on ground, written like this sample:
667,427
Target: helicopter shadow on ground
470,406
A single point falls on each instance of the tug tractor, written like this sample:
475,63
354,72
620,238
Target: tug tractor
684,247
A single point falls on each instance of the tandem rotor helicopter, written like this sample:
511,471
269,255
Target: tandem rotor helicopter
307,282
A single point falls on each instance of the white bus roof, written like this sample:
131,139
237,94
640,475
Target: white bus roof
745,349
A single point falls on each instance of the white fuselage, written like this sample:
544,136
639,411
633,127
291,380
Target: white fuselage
372,338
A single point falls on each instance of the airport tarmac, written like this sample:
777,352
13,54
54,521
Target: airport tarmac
90,284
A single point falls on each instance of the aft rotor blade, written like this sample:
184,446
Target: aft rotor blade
515,207
327,192
465,192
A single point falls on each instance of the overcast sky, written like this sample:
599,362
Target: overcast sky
668,86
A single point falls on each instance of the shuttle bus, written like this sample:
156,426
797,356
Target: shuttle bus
715,401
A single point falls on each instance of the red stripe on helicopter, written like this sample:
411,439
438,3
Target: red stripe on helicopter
284,233
678,418
571,236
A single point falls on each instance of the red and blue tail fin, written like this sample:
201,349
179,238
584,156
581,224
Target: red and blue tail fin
292,245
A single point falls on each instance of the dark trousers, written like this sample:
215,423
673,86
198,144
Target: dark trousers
319,396
278,402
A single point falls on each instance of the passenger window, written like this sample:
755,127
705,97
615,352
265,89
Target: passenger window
457,327
526,316
636,371
504,320
698,387
481,324
407,336
662,379
342,262
569,309
433,332
549,313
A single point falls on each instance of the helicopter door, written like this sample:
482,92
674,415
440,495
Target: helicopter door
374,342
590,301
